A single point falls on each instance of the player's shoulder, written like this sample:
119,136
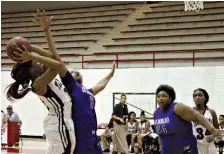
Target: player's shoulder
212,111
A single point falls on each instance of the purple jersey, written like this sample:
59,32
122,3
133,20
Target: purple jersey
176,134
83,115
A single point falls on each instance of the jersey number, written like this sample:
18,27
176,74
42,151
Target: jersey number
200,132
59,85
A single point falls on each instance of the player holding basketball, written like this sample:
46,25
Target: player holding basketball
173,124
204,139
58,125
84,116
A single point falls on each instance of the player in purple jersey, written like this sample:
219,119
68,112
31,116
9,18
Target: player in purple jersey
84,115
83,108
173,124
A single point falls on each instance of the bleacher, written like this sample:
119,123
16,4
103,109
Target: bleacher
137,34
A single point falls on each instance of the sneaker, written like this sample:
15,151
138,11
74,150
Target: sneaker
106,150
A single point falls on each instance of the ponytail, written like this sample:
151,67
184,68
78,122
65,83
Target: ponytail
20,73
14,92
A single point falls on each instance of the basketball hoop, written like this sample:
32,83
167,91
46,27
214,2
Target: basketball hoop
193,5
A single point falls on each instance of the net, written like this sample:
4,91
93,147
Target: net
137,102
193,5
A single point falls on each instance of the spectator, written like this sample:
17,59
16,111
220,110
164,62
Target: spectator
132,130
144,126
107,136
120,127
4,122
220,142
11,115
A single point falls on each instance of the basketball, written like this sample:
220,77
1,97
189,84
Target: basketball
13,44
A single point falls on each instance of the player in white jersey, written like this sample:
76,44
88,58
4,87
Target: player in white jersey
144,126
204,139
220,141
132,130
58,126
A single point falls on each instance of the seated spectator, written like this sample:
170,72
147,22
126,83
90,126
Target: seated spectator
144,126
11,115
220,141
106,137
132,130
4,122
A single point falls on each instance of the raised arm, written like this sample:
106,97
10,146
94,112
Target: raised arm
103,83
45,24
42,51
40,84
190,114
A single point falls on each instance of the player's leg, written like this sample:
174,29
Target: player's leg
70,127
140,143
212,148
104,142
55,143
133,139
202,149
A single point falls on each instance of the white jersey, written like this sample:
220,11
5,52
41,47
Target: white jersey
57,100
221,128
201,132
58,125
132,127
142,128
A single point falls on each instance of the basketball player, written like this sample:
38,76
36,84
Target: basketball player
205,142
133,127
58,125
144,126
84,116
173,124
220,141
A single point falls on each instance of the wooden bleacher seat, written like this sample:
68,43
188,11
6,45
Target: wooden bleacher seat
74,34
165,43
162,36
70,18
100,27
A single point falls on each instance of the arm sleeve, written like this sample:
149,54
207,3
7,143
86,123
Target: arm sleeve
69,82
110,125
115,110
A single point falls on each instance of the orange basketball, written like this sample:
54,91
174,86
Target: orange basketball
13,44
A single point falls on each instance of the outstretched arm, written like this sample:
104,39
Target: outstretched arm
45,24
190,114
103,83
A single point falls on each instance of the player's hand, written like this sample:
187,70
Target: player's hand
217,133
107,128
122,121
209,139
42,19
23,55
113,69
